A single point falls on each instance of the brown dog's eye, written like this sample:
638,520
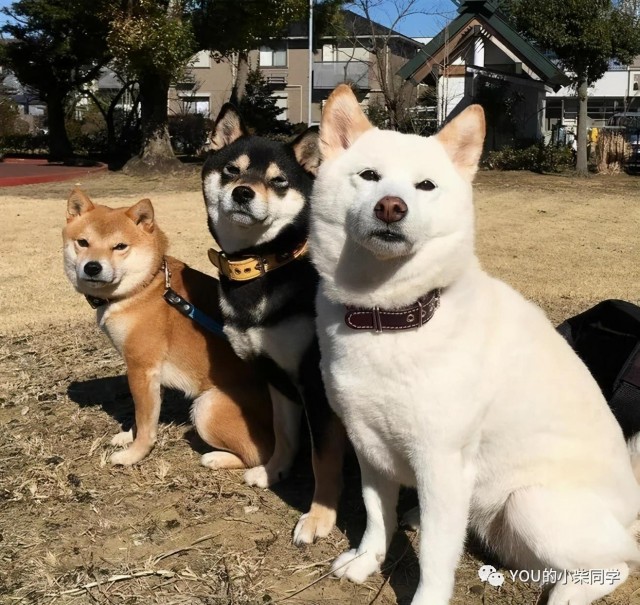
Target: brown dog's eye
231,170
369,175
279,181
426,185
120,246
83,243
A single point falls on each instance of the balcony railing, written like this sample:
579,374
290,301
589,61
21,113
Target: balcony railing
329,74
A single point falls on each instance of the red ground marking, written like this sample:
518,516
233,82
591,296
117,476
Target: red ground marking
27,172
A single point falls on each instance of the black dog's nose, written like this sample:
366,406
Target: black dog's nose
390,209
243,194
92,268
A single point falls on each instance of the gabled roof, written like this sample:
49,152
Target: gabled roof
486,14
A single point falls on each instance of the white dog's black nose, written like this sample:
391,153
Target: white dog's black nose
242,194
92,268
390,209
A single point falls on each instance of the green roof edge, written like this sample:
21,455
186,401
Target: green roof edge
543,66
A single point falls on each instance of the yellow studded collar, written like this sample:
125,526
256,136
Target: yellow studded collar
246,268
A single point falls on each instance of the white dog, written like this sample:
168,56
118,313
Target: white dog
448,380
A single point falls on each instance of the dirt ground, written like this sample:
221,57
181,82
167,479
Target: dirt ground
168,531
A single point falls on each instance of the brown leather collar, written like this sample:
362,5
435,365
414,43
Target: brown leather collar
245,268
408,318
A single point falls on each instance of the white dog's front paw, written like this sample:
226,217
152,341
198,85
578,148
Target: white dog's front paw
314,525
355,567
431,596
123,438
264,476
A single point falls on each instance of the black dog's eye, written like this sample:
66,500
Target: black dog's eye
121,246
280,181
83,243
369,175
231,170
426,185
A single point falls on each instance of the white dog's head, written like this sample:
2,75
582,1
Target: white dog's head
392,214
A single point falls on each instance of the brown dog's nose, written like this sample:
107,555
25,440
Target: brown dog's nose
390,209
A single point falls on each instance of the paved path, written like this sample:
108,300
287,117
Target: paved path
26,172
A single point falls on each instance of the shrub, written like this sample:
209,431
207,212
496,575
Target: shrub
538,158
189,132
25,143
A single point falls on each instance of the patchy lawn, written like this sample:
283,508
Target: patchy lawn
75,530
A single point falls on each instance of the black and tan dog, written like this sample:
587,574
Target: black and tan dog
257,197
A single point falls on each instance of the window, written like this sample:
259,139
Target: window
282,102
329,52
273,57
202,59
196,105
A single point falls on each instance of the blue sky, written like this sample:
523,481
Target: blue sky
430,17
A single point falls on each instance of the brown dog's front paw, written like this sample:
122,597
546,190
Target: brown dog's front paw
123,438
129,456
317,523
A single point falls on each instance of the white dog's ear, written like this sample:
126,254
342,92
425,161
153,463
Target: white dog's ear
463,139
77,204
228,128
343,121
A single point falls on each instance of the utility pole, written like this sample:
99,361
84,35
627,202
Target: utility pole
310,59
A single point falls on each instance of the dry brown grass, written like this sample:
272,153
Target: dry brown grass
74,530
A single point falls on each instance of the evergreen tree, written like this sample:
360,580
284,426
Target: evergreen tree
258,108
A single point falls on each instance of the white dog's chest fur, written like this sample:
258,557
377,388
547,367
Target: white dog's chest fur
447,386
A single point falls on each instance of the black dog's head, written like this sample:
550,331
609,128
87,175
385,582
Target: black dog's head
256,189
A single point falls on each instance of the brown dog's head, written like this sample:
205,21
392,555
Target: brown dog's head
110,252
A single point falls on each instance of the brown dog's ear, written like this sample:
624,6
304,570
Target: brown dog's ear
306,148
343,121
142,214
78,204
463,139
228,127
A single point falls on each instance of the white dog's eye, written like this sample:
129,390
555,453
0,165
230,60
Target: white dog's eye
369,175
83,243
426,185
279,181
120,246
231,170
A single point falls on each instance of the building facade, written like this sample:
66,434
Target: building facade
209,81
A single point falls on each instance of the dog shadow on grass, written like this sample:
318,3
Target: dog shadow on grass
113,396
401,569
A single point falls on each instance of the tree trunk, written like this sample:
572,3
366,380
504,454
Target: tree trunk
582,167
59,145
240,84
156,155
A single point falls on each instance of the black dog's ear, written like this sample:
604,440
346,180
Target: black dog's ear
228,127
306,148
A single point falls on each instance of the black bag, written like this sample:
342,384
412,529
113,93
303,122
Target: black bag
607,339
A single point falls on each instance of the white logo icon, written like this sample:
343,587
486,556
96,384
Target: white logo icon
488,573
485,571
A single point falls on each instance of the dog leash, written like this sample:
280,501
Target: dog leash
187,309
